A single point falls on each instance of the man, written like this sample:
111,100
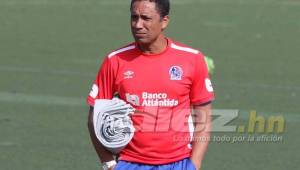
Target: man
162,79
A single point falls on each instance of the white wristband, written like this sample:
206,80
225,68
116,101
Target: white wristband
109,164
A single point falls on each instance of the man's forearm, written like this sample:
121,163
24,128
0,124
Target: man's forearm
201,134
103,154
200,144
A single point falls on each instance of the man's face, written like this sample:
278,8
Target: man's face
146,23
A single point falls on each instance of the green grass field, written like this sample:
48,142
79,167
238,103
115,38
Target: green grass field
50,51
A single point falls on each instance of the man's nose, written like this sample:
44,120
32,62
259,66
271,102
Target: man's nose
139,23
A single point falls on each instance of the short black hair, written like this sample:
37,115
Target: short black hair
163,6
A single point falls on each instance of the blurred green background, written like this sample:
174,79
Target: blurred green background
50,51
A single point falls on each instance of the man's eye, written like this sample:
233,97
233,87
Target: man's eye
134,17
146,18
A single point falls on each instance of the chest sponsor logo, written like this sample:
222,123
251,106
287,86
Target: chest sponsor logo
128,74
151,99
175,73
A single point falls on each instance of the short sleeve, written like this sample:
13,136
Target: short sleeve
201,90
103,86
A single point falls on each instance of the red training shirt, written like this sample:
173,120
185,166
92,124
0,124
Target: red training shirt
162,88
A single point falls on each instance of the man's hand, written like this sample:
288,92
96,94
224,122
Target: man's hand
202,131
102,153
112,168
197,163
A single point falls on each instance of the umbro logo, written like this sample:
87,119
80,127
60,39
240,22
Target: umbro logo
128,74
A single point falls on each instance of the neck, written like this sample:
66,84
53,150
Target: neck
155,47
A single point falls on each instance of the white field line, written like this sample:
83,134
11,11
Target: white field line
86,62
7,144
290,2
81,74
124,2
219,24
44,71
78,3
79,102
263,86
41,99
290,117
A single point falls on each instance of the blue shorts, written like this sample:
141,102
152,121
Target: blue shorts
185,164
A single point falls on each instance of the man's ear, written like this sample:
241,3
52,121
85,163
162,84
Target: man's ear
165,22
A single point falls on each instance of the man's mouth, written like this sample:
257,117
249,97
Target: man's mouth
139,34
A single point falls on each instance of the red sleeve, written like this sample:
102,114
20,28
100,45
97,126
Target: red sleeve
103,86
202,90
